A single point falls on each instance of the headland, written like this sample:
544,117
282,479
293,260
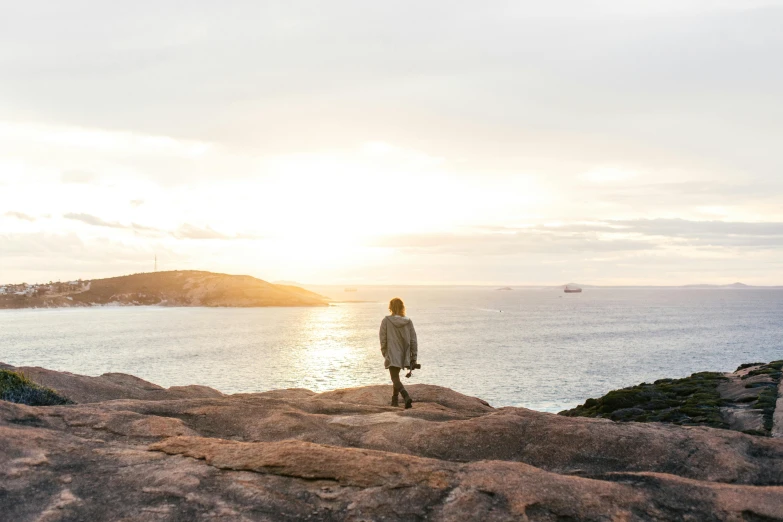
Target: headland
172,288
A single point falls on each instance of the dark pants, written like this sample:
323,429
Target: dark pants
394,371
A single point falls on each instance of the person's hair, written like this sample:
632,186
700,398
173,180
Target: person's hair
397,307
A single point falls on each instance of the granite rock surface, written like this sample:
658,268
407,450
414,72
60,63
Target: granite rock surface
131,450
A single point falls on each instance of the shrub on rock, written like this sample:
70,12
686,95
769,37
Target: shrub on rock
15,387
693,400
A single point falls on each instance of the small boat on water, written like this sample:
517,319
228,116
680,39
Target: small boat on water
570,289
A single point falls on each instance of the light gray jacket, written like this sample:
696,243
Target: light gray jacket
398,341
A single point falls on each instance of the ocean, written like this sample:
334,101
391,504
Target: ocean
535,348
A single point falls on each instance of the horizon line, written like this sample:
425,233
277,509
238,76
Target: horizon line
735,285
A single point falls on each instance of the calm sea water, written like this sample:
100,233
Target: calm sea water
539,349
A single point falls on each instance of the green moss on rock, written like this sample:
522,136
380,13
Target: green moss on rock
15,387
772,369
768,396
766,403
748,365
690,401
693,400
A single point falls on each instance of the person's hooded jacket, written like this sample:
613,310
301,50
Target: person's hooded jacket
398,341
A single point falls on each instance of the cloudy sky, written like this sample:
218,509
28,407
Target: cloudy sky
351,142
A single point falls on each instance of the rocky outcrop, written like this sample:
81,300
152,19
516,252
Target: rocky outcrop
109,386
743,400
749,396
15,387
347,455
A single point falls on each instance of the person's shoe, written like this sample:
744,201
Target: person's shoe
408,403
395,401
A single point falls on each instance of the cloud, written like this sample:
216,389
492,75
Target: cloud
608,175
20,215
185,231
612,71
681,94
93,220
41,245
27,257
534,240
593,237
690,193
77,176
188,231
143,228
709,233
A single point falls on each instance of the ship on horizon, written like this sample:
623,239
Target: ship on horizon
572,289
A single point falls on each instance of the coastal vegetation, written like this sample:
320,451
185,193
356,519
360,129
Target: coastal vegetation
768,395
693,400
15,387
703,399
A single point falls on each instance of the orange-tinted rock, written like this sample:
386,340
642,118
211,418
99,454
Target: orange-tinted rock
109,386
347,455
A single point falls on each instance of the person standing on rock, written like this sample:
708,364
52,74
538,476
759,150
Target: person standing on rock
399,347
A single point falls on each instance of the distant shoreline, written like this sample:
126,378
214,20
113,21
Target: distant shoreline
187,288
545,287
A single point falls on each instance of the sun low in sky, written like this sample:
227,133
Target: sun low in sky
403,143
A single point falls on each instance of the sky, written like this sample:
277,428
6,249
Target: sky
353,142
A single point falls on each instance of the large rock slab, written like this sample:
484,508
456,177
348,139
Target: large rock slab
347,455
109,386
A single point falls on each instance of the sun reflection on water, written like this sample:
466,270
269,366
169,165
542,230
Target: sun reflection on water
330,352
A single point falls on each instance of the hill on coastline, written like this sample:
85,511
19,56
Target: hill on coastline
733,285
172,288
